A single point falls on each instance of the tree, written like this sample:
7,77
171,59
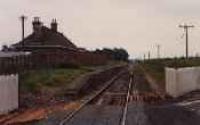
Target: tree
117,53
121,54
5,48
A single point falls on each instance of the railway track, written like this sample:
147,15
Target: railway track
101,95
125,110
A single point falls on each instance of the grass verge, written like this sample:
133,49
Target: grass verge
156,67
36,80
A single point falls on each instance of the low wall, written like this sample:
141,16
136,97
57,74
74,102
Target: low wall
8,93
182,80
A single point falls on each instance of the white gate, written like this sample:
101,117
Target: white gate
182,80
8,93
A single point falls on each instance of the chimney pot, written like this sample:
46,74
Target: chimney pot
54,25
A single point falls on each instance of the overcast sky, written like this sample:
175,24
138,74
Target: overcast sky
136,25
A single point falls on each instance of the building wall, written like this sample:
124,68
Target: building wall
181,81
8,93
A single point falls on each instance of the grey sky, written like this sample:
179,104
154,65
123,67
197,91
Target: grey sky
136,25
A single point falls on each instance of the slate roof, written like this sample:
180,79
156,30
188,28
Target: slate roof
48,38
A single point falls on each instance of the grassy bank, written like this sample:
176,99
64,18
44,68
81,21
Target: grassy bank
40,80
55,80
156,67
48,86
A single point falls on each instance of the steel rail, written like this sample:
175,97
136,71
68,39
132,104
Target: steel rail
125,109
106,86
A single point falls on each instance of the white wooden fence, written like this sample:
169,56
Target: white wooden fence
182,80
8,93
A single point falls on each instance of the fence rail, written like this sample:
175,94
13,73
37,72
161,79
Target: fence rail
49,59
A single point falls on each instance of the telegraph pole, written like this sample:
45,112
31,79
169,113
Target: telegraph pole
149,55
186,27
144,56
158,51
23,20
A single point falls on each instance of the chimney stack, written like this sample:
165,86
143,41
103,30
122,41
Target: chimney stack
37,25
54,25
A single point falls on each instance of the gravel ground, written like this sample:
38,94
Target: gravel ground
98,115
53,119
138,114
171,115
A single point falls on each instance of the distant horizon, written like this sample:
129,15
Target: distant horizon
136,25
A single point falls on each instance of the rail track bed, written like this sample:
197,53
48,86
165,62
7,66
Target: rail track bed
127,99
111,105
107,107
114,94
